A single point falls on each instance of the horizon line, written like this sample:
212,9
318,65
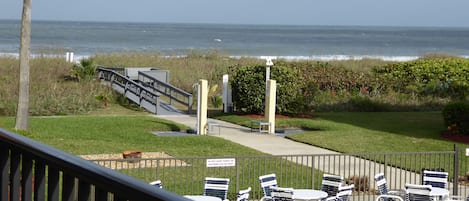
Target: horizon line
237,24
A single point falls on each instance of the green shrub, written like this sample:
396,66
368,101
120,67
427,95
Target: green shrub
443,77
456,117
248,88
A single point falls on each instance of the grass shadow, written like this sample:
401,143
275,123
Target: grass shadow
415,124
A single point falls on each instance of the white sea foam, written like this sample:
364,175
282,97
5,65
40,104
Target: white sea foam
338,57
79,57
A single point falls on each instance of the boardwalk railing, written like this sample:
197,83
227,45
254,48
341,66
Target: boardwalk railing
134,91
166,89
146,91
31,170
186,175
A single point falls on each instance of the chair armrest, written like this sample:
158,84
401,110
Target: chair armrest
263,199
397,192
389,196
455,198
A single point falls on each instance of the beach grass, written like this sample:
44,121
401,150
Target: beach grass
337,89
184,71
50,92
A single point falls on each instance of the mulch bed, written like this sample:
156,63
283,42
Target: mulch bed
147,160
279,116
455,138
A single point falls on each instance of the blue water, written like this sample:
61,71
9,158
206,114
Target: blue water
319,42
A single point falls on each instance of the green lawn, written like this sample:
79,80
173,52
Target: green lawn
114,134
357,132
342,131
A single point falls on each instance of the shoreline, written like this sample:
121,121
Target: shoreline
338,57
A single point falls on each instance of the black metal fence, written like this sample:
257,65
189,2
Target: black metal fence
186,175
33,171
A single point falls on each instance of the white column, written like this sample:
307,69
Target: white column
71,57
225,93
202,107
270,101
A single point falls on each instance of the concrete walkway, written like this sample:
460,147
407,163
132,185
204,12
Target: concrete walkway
267,143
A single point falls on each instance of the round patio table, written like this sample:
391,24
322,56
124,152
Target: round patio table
439,193
202,198
308,194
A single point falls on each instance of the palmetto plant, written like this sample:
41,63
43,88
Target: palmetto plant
215,99
85,70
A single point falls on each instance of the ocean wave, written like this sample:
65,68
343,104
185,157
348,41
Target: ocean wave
78,57
339,57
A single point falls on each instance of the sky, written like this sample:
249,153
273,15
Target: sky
440,13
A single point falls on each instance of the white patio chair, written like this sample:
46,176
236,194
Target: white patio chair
266,182
345,192
382,185
157,184
330,184
435,179
216,187
243,195
281,194
418,192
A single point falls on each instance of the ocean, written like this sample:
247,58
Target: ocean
290,42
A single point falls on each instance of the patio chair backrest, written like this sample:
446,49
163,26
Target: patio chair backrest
217,187
157,183
330,184
333,198
281,194
345,192
435,179
381,183
418,192
266,182
243,195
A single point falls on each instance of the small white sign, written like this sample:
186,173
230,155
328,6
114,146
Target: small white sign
467,151
221,162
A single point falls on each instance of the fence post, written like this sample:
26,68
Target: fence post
312,172
455,170
237,174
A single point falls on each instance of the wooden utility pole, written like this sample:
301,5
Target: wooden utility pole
22,113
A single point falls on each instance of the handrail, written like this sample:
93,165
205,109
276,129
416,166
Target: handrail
172,92
30,159
128,85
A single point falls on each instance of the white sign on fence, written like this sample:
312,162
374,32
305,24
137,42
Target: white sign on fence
221,162
467,151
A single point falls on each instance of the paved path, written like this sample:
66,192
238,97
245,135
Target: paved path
267,143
